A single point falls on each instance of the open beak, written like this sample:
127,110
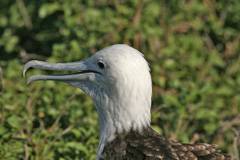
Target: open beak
82,71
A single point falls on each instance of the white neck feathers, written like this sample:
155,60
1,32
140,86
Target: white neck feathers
125,107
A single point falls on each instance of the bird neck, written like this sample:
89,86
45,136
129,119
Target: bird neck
121,114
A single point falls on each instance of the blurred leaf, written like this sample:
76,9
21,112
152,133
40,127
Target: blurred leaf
48,9
14,121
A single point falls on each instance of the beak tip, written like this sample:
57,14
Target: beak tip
25,69
24,73
29,81
29,65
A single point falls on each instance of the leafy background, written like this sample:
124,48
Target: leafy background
193,47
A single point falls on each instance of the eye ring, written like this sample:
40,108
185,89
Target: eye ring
101,65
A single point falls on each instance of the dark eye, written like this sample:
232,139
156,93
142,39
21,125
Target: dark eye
100,65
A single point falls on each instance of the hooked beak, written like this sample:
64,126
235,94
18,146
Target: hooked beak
82,69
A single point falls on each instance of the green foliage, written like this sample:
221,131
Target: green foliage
193,48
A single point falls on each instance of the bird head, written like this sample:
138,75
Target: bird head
118,80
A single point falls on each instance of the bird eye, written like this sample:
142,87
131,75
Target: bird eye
100,65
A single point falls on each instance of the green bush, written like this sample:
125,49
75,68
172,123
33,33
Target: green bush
193,48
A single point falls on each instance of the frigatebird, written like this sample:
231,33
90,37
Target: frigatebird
118,80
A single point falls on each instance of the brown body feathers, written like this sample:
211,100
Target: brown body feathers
148,145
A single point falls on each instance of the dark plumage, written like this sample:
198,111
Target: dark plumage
149,145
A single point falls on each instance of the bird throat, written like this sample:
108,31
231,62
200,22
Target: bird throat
118,116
